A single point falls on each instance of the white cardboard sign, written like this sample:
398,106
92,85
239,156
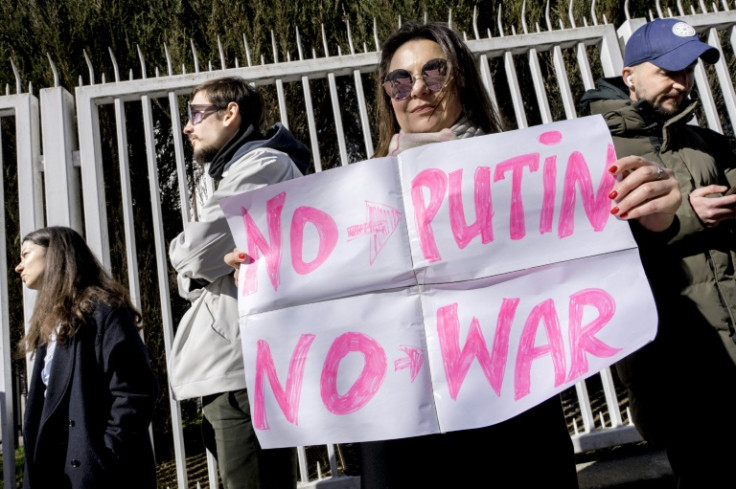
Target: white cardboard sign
451,287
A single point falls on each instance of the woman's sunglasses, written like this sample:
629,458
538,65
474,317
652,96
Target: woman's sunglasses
399,83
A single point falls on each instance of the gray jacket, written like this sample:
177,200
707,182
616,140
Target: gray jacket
206,356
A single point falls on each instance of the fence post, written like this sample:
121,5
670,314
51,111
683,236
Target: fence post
30,209
7,413
61,178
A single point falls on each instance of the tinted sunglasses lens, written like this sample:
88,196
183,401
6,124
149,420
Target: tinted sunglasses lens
402,88
434,73
398,84
434,80
197,112
189,113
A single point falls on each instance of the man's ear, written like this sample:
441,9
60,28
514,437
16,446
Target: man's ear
627,73
232,114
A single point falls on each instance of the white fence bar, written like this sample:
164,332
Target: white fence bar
282,103
30,180
28,149
60,143
181,165
539,90
706,99
586,412
516,97
314,143
93,188
303,464
7,399
163,283
568,102
584,64
131,254
335,99
609,391
725,81
612,60
485,74
213,476
362,107
25,109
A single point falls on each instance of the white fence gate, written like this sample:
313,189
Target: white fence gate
67,185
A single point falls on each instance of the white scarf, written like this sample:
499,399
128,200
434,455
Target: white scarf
460,130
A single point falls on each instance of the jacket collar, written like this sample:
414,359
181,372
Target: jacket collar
627,118
227,152
664,127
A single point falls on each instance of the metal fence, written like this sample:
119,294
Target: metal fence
92,177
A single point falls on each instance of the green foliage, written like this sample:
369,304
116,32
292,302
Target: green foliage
34,30
20,460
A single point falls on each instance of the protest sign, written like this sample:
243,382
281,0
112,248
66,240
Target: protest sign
451,287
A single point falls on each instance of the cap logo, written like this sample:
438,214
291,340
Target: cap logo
683,29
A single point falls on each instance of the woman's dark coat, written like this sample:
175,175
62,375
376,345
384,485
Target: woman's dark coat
91,428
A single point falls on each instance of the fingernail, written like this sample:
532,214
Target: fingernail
613,169
624,215
613,194
241,256
614,210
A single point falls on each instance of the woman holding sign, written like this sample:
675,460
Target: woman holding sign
92,389
432,92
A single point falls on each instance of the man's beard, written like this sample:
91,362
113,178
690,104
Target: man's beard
669,112
663,112
205,155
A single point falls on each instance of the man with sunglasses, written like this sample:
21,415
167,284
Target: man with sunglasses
689,370
206,357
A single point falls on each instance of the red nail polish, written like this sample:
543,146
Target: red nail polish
613,169
614,210
613,194
624,215
241,256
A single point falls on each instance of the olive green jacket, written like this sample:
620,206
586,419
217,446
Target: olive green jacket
690,266
690,269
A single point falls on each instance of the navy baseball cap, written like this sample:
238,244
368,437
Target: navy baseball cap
671,44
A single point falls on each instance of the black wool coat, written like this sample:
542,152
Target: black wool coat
89,428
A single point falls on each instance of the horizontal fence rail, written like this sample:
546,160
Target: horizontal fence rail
116,168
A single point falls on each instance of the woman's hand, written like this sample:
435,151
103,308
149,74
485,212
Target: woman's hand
234,259
646,192
712,210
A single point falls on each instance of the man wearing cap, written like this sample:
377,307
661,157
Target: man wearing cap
682,386
206,359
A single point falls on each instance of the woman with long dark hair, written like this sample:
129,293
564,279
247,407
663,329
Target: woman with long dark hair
92,390
430,91
452,102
